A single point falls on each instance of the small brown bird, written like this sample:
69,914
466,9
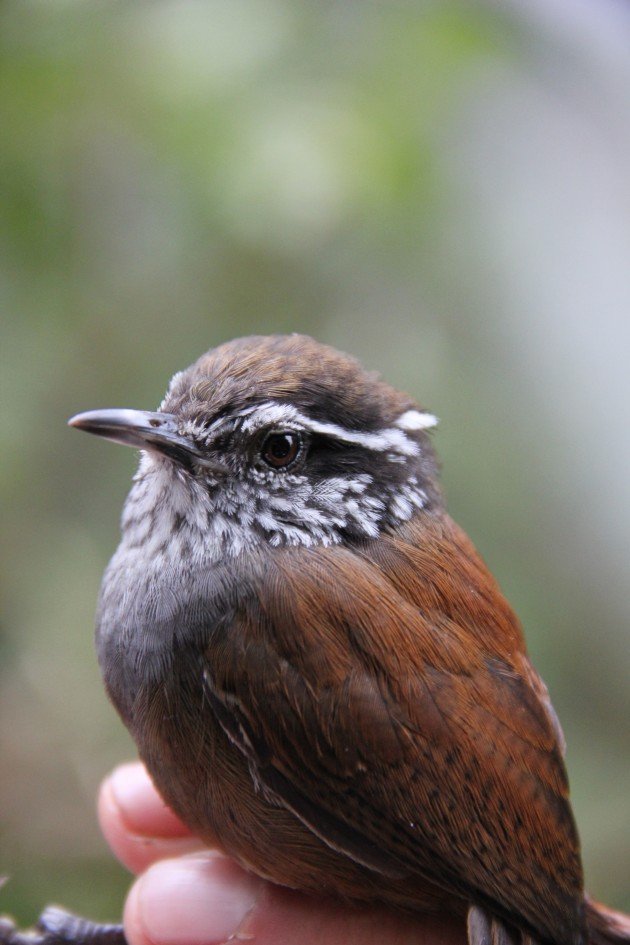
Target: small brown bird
319,671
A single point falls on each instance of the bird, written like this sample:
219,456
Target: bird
320,673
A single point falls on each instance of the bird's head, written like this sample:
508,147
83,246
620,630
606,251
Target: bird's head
277,439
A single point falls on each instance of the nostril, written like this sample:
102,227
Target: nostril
155,423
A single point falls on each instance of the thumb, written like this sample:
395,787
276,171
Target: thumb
207,899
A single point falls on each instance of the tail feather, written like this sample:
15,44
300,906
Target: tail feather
487,929
605,926
479,926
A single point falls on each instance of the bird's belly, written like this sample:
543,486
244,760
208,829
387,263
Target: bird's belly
206,781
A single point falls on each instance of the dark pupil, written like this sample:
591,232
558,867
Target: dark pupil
280,446
280,449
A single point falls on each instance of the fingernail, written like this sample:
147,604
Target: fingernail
141,807
194,900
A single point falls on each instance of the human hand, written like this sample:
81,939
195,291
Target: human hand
186,894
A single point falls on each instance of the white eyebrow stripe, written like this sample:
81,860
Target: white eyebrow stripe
387,440
269,413
381,442
416,420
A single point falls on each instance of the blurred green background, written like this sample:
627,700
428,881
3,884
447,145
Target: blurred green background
441,188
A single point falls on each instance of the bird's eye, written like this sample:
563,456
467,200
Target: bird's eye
281,448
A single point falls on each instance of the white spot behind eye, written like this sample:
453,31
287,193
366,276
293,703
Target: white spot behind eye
416,420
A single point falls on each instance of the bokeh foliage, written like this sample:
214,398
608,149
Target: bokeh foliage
429,185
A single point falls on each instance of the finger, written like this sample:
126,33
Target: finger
206,899
136,822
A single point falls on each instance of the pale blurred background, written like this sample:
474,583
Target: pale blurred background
441,188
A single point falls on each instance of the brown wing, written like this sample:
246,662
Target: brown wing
402,729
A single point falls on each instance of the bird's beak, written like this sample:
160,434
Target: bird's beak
144,430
